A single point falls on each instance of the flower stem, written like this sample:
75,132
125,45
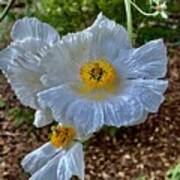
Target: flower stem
127,4
6,9
141,11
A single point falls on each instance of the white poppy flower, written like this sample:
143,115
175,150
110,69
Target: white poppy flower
59,159
95,77
102,79
30,36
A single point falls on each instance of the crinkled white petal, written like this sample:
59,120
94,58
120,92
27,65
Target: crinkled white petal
43,117
126,108
69,108
9,55
39,157
148,61
109,39
62,165
122,111
104,39
78,46
87,116
63,61
23,72
72,163
20,61
57,99
33,28
49,169
140,120
149,92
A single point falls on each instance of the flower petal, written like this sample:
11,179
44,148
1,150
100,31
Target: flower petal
72,163
140,120
39,157
109,39
148,61
78,46
60,65
23,72
43,117
18,61
69,108
57,99
32,27
149,92
49,170
86,115
122,111
63,165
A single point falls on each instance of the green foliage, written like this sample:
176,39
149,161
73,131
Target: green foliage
68,15
2,103
74,15
21,116
174,173
111,130
141,177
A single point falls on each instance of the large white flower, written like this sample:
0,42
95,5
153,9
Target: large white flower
30,36
95,77
59,159
102,79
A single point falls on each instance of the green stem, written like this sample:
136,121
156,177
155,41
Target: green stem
6,9
127,4
142,12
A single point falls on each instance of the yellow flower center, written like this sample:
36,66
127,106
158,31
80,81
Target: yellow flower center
98,73
62,136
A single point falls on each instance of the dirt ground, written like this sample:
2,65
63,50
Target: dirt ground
149,149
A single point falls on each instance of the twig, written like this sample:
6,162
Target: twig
6,9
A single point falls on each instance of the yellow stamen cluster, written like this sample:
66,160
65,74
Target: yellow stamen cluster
98,73
62,136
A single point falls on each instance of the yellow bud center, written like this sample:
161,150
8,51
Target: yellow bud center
98,73
62,136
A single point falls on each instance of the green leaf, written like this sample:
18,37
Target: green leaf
173,173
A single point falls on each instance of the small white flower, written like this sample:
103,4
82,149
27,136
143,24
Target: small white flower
160,7
95,77
30,37
56,162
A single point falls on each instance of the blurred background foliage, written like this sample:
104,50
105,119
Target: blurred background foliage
74,15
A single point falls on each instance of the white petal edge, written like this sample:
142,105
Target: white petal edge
72,163
148,61
49,170
141,120
63,166
42,118
122,110
35,160
32,27
23,73
148,92
109,38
